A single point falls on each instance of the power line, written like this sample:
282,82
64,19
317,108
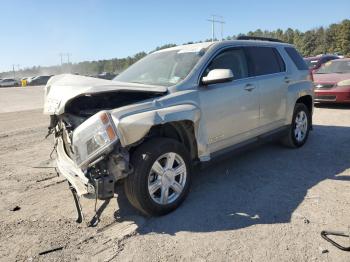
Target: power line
61,55
13,69
215,19
67,55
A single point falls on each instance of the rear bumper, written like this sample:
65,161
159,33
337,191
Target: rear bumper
338,95
70,171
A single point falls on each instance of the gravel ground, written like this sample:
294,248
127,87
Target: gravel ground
21,98
266,204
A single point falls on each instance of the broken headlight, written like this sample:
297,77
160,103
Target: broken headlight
93,138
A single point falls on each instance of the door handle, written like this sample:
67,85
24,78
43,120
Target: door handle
249,87
286,79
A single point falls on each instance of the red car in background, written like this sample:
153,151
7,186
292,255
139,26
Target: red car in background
315,62
332,82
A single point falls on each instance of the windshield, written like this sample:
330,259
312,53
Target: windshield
164,68
335,66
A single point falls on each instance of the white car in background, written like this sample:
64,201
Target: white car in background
6,82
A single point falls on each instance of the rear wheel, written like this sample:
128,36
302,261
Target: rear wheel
299,128
161,177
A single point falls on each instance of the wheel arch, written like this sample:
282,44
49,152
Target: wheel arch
299,92
182,131
308,102
180,122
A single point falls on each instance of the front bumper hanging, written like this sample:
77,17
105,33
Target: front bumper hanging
71,172
79,185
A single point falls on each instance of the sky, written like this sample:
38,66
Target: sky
34,32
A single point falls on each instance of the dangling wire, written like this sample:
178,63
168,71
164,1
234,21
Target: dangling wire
54,148
325,234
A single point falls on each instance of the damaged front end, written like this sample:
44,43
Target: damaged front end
94,148
89,152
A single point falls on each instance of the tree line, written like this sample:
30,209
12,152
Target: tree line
322,40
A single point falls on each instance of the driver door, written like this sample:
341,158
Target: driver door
230,109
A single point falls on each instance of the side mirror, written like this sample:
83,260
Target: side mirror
218,76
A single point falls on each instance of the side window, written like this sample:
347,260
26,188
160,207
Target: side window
296,58
233,59
265,60
280,60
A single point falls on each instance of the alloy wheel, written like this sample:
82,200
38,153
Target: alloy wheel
167,178
301,126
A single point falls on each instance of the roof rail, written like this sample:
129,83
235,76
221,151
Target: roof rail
246,37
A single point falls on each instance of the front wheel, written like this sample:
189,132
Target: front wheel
299,128
161,177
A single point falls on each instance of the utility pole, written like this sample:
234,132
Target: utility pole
61,55
222,30
68,55
13,70
214,20
65,57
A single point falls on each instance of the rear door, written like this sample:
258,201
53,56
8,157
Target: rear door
269,70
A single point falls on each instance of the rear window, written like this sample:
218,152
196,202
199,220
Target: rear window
265,60
296,58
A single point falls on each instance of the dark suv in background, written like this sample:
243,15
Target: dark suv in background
315,62
39,80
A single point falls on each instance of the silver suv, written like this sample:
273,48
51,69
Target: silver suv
172,109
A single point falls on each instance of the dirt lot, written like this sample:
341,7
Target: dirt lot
267,204
21,98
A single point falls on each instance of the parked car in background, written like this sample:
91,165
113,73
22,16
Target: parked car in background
315,62
106,75
172,109
339,54
7,82
29,79
332,82
39,80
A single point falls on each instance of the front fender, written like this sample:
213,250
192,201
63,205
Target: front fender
134,127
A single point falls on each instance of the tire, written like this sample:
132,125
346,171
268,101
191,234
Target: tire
150,172
295,139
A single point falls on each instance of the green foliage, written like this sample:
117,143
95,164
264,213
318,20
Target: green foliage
333,39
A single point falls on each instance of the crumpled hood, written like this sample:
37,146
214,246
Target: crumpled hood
62,88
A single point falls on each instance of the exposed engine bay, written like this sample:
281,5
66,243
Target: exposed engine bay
104,171
89,104
82,107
